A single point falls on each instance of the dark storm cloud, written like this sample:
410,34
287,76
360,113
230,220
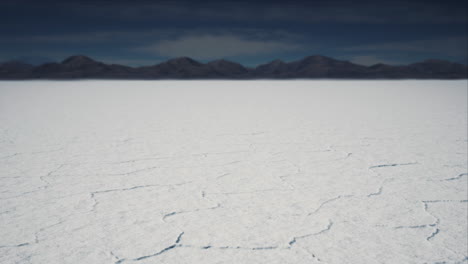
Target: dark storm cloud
395,12
242,30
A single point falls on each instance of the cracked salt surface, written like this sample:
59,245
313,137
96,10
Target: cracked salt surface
233,172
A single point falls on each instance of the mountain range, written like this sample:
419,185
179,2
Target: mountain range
311,67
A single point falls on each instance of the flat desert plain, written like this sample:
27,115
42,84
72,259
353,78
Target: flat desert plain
233,172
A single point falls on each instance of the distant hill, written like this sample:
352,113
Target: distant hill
15,69
311,67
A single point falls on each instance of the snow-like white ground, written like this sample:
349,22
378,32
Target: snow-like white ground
233,172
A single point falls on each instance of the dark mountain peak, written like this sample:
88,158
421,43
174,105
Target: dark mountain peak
81,62
177,68
272,64
227,68
318,66
315,66
183,61
78,61
318,59
273,69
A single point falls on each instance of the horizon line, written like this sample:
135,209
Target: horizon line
227,60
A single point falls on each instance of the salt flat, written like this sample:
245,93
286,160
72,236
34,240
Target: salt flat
233,172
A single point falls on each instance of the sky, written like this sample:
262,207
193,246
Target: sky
139,33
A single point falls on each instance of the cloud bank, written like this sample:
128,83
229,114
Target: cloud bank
216,46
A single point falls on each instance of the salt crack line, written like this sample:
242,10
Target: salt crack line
456,178
175,245
93,194
179,238
13,246
137,160
115,256
414,227
247,192
426,207
128,189
191,211
206,154
38,189
133,172
158,253
433,234
379,192
294,240
139,187
234,247
392,165
328,201
178,244
10,156
435,224
282,178
253,133
36,235
46,151
223,175
49,174
445,201
312,255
